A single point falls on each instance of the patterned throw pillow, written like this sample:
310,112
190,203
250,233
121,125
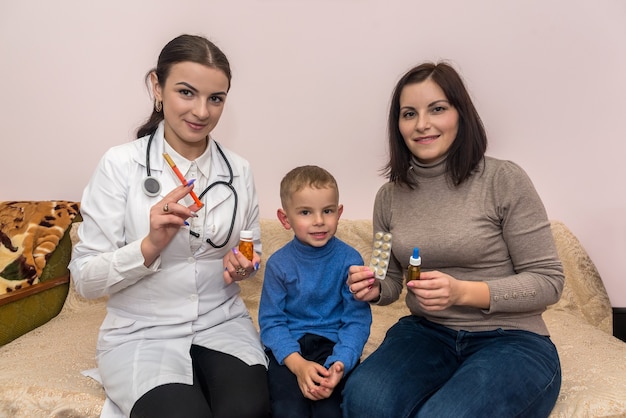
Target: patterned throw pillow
29,233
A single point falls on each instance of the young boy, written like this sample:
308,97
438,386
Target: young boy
313,329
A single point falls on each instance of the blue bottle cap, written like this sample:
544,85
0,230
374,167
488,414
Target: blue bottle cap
415,259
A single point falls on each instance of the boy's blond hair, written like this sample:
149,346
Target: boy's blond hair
306,176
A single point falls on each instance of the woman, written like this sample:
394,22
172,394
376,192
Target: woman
177,339
475,344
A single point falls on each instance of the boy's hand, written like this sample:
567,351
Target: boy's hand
309,375
328,385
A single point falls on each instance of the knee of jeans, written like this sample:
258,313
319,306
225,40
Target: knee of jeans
350,388
354,402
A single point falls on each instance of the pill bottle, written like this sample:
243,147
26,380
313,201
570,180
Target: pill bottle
415,262
246,246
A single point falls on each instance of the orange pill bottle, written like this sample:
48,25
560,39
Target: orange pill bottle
246,246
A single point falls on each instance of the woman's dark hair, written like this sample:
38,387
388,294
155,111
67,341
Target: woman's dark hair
184,48
470,144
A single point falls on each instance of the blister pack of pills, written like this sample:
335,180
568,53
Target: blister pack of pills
381,253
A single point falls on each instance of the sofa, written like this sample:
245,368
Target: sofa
40,372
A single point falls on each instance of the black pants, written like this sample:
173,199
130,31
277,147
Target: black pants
223,387
287,399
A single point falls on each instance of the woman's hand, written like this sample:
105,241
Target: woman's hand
166,218
362,284
436,291
237,267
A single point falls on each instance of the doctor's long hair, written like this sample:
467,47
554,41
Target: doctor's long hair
184,48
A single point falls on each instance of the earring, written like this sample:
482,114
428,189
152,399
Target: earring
158,106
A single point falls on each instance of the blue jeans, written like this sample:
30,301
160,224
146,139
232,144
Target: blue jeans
427,370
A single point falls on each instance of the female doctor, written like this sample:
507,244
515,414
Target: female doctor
177,339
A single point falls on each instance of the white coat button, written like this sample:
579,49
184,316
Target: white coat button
193,298
191,260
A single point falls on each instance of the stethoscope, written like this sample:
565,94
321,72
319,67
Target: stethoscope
152,187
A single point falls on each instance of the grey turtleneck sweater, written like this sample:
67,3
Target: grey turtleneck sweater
492,228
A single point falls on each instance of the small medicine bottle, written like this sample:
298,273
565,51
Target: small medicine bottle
415,262
246,246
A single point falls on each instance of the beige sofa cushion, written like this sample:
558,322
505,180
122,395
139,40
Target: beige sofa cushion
49,383
593,366
40,371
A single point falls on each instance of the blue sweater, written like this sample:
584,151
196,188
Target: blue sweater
305,291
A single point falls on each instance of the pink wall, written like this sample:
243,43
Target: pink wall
312,81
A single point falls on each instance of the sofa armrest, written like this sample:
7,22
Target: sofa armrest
584,293
33,290
48,224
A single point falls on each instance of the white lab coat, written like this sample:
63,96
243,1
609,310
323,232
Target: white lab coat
155,314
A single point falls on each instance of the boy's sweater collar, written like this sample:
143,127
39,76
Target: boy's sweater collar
314,252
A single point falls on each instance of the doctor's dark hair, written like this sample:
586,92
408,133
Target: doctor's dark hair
184,48
470,144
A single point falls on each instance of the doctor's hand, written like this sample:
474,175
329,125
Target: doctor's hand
237,267
166,218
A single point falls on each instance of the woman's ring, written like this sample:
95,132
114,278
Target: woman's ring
241,271
166,208
350,289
